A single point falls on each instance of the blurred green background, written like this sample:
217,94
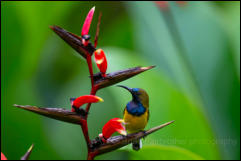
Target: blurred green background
196,50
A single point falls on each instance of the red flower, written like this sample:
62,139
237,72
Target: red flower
85,99
101,61
3,157
112,126
88,19
86,27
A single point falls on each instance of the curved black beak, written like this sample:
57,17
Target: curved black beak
134,96
127,88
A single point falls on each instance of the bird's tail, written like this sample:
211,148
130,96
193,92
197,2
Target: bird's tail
136,144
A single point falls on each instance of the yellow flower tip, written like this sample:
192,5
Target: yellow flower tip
121,121
123,132
98,51
99,99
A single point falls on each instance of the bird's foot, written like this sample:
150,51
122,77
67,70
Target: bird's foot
144,134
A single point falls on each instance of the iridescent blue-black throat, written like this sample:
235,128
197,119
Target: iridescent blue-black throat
135,108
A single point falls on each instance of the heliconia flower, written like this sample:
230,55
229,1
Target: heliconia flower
88,19
112,126
101,61
3,157
85,99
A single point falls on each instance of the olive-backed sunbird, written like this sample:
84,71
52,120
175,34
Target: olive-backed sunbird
136,113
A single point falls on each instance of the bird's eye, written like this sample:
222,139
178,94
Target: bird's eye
135,91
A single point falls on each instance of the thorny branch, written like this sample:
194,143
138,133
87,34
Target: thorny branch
74,41
117,142
95,147
54,113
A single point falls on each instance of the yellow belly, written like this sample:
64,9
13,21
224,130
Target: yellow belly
135,123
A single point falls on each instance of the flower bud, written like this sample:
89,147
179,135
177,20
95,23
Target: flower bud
101,61
112,126
88,19
76,103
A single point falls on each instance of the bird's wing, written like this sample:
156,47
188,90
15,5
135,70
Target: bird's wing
148,115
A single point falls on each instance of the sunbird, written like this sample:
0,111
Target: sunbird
136,113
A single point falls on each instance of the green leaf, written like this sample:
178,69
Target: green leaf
25,28
214,67
194,51
155,152
153,39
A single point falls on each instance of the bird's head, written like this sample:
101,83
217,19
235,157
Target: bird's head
138,95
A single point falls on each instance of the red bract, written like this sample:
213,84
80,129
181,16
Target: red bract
85,99
112,126
101,61
3,157
86,25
